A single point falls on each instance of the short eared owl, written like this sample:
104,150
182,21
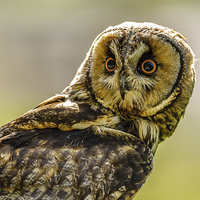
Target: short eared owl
97,139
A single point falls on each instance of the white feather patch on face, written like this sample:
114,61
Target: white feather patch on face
132,99
110,82
138,90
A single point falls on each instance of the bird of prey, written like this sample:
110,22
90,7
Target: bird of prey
97,139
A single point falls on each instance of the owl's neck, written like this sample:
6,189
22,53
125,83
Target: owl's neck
143,129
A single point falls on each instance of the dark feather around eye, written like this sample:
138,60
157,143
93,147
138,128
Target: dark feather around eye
146,56
110,54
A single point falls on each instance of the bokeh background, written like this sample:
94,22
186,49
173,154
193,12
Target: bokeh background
43,42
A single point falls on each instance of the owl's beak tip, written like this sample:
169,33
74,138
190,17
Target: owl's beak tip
122,92
123,88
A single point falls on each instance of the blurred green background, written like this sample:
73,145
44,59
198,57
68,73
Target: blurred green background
43,42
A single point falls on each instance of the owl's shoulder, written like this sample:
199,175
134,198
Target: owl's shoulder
60,112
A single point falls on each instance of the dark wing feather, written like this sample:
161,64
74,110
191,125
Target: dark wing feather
53,164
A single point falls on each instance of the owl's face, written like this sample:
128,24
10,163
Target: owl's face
138,69
142,72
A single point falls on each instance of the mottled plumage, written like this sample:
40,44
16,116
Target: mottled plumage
97,139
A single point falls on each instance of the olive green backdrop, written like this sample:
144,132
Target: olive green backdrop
42,44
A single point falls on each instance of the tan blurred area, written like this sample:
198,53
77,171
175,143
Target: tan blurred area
42,44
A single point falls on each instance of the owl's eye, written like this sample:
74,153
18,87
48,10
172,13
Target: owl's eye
110,65
148,67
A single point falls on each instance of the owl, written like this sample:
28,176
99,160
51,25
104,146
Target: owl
98,137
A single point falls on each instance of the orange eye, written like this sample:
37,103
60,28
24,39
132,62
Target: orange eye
110,65
148,67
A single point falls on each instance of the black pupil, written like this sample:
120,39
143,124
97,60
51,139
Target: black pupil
148,66
111,64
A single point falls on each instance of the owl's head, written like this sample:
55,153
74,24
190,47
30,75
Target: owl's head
139,70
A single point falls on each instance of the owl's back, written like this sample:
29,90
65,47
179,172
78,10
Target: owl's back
79,164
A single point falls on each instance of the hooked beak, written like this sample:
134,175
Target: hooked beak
122,91
123,88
